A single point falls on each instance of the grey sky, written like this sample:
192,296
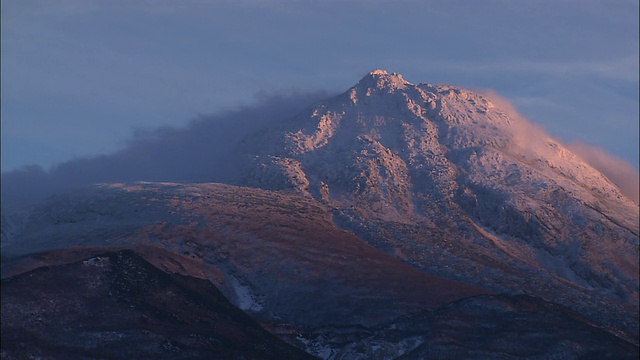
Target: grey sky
79,76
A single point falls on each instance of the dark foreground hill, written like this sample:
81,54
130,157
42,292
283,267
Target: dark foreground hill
116,305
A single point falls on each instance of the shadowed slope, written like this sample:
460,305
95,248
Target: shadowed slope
482,327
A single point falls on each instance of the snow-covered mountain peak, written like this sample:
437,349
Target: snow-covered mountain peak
449,158
378,72
378,79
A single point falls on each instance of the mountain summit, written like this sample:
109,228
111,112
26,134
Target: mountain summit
382,81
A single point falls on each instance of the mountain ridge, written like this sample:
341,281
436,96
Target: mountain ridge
386,199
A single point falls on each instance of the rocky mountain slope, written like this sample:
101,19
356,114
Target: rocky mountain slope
388,200
438,175
277,256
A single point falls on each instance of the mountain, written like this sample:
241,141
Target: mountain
431,209
438,175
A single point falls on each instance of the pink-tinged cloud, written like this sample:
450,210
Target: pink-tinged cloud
531,139
615,169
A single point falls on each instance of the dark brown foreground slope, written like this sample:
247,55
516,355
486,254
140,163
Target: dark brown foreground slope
118,306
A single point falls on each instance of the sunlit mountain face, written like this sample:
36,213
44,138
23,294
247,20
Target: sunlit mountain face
394,220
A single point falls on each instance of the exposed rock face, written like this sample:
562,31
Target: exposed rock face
118,306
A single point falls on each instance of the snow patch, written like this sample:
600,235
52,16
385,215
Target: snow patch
97,262
245,298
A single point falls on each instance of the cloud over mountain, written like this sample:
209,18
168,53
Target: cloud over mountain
199,152
530,138
614,168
